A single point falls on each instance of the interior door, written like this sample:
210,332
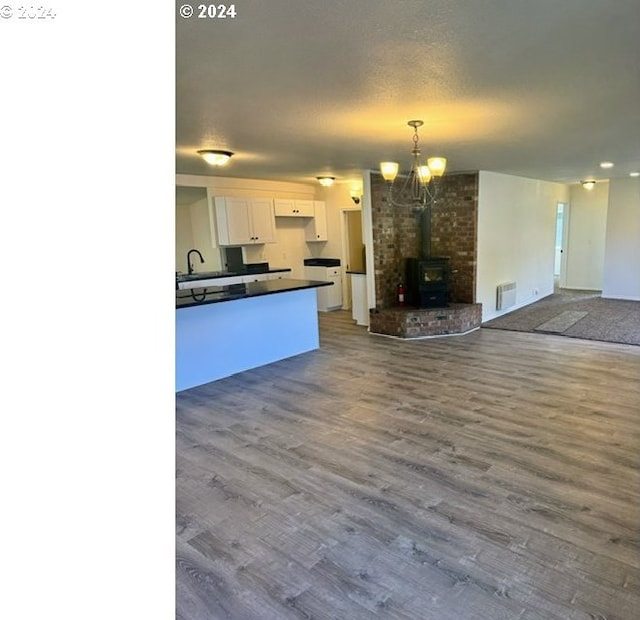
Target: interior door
355,249
560,258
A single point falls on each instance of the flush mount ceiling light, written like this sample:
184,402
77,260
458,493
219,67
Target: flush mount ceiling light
634,174
606,164
215,157
588,184
421,185
326,181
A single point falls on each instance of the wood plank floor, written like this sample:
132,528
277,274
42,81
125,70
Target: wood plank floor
489,476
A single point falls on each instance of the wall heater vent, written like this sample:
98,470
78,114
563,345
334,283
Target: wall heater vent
506,295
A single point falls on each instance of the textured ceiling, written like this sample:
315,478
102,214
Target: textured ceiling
538,88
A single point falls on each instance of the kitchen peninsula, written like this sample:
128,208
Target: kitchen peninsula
223,330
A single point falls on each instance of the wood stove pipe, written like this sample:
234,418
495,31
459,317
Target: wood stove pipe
425,232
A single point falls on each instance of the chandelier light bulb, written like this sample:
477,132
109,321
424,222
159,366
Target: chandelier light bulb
437,165
424,174
389,170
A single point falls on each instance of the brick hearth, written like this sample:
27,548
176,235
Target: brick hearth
420,323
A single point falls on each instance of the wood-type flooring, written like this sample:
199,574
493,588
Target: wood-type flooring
491,476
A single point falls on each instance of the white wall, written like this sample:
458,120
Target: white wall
584,250
192,231
622,253
516,238
184,236
200,230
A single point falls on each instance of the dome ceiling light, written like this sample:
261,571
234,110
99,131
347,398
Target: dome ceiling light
215,157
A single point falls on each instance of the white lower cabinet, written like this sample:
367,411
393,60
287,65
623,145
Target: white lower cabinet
329,297
244,221
261,277
359,302
227,281
210,282
256,277
280,275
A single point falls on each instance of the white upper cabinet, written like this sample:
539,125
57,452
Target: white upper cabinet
263,222
244,221
316,228
288,207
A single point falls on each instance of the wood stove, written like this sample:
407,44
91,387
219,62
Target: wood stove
428,282
427,276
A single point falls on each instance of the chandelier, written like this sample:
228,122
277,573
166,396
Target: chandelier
421,185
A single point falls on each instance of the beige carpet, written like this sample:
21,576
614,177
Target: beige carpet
578,314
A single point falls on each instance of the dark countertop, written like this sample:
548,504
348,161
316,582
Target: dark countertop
322,262
214,294
209,275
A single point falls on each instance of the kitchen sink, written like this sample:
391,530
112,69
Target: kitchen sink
201,275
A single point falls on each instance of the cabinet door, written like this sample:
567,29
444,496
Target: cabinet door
334,293
288,207
256,277
316,229
284,207
360,305
280,275
233,221
262,221
304,208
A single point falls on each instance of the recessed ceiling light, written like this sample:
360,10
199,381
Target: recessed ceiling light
634,174
606,164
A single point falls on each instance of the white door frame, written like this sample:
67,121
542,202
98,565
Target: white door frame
344,259
562,280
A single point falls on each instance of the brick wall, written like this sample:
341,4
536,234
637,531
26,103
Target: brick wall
418,323
396,236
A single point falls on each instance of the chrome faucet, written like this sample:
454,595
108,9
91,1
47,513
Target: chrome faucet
189,265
